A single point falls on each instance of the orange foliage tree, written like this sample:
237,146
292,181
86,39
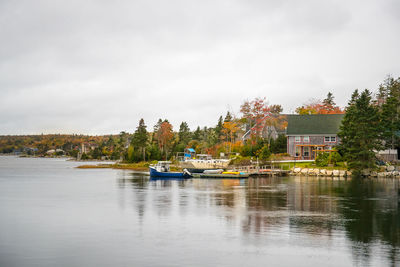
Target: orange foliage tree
327,106
229,129
164,137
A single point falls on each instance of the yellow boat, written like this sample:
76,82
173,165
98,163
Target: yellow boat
232,173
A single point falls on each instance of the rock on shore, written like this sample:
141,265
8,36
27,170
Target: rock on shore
384,171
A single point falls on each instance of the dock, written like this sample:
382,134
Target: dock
220,176
245,172
253,170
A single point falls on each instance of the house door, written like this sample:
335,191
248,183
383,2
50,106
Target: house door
306,152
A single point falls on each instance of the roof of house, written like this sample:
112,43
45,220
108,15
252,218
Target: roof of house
314,124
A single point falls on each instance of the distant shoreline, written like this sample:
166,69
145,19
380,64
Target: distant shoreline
141,166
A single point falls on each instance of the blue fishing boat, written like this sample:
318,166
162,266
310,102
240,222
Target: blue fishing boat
162,169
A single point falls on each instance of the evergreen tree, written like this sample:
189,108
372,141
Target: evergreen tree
228,117
328,101
383,91
204,134
389,98
212,137
279,145
360,132
184,133
197,134
219,126
140,138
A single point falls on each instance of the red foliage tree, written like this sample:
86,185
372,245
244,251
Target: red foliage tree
259,115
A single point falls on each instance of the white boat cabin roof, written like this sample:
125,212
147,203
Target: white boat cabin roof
203,156
164,162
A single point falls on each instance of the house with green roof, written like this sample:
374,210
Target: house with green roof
308,134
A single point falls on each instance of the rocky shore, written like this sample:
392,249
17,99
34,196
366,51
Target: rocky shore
385,171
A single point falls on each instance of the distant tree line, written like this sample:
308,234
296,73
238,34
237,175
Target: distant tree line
111,147
371,123
258,132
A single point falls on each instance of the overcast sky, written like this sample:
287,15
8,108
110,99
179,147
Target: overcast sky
97,67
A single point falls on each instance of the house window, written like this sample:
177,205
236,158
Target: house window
297,139
330,139
298,151
306,151
306,139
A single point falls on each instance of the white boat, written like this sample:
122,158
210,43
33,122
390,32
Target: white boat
201,162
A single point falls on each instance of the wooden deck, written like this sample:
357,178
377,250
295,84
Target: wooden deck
220,176
261,170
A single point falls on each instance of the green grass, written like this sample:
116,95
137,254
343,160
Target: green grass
288,166
340,166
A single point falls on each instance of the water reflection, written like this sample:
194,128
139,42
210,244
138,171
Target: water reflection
360,215
371,217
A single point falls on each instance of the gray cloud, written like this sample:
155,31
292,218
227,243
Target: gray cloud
98,66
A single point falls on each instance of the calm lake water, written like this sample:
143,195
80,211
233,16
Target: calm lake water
52,214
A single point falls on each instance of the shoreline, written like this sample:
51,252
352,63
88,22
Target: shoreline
140,167
113,166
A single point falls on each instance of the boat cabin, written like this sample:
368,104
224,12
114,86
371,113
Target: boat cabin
203,157
162,166
189,153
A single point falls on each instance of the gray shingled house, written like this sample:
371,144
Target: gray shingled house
307,134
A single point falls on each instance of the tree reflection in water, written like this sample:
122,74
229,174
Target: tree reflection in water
366,211
371,217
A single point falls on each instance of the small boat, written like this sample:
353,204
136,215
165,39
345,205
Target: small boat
162,170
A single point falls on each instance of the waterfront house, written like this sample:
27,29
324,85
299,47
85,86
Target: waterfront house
308,134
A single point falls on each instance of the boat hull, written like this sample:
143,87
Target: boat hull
155,173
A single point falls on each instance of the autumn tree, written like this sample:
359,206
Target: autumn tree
164,137
229,129
258,115
326,106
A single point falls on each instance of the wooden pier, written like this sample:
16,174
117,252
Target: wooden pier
220,176
254,170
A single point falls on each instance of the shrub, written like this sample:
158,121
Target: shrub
323,159
264,153
242,161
